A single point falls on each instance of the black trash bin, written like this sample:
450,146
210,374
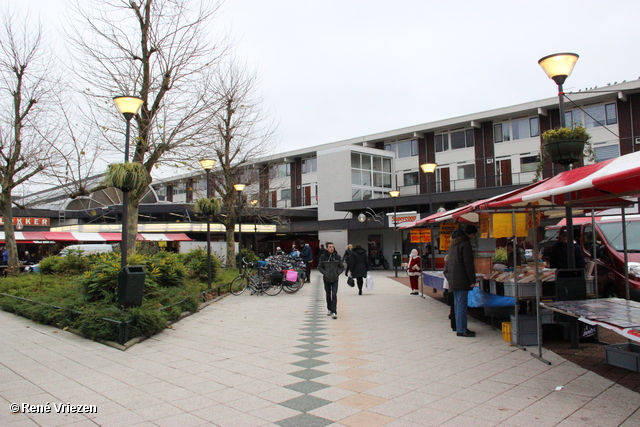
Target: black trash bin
131,285
397,259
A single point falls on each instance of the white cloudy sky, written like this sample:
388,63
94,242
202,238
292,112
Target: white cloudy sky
337,69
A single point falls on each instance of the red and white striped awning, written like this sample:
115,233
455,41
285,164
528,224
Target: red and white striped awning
41,236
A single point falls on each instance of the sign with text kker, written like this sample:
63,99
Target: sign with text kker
28,222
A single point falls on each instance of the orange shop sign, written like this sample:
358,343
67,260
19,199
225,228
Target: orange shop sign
28,222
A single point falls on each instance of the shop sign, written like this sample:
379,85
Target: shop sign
502,224
421,235
446,228
403,218
28,222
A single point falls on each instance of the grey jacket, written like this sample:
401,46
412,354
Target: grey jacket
460,270
330,266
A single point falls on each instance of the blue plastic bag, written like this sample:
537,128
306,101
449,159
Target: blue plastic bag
479,298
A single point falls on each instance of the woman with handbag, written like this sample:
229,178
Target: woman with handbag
414,270
358,266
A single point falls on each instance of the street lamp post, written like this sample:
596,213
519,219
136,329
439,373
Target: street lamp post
429,168
128,107
239,188
394,195
558,67
254,203
207,165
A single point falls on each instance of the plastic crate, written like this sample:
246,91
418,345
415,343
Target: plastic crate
524,289
506,331
625,356
524,338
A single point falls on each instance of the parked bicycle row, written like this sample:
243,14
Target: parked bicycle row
271,276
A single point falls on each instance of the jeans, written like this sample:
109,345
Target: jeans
460,306
331,290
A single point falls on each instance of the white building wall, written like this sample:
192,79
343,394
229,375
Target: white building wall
334,181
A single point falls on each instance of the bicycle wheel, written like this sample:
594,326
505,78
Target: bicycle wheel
291,287
270,288
239,284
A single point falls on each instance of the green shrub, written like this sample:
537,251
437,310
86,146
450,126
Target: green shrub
73,264
500,255
196,263
166,268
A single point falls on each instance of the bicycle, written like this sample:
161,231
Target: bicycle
258,281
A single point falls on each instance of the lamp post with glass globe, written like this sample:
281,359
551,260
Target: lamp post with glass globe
558,67
428,169
128,107
239,188
394,195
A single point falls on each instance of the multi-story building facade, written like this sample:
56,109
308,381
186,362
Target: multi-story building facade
319,192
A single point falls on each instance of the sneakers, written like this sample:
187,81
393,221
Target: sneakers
467,333
414,293
334,315
329,313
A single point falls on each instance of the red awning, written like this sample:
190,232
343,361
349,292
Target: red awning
598,185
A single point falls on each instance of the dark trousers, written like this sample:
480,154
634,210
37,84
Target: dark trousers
331,290
360,282
308,265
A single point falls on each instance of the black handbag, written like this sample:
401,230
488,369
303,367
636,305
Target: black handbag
350,282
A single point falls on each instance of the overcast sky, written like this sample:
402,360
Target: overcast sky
337,69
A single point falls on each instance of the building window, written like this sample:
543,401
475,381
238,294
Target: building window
529,163
371,172
593,116
461,139
466,171
310,165
516,129
442,142
281,171
534,126
612,114
606,152
410,178
403,149
285,194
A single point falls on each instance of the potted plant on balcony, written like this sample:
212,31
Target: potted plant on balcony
565,145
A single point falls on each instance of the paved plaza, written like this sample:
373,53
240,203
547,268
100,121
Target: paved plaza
390,359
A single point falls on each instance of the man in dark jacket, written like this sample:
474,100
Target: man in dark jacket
331,266
358,266
307,257
461,274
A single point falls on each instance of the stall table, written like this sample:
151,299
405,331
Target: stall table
433,279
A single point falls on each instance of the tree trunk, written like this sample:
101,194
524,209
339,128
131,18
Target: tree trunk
13,265
132,219
231,247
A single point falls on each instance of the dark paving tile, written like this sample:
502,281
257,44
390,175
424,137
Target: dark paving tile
305,420
305,404
311,346
310,363
306,387
310,354
308,374
313,339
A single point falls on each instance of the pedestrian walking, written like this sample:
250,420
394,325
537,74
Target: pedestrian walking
414,270
330,266
345,258
307,257
461,274
358,266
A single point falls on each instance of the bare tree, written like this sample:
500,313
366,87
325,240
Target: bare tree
240,135
161,51
27,128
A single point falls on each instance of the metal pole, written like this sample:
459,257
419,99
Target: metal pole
240,231
571,258
431,244
125,203
395,233
208,235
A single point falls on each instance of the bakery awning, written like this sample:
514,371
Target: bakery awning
46,236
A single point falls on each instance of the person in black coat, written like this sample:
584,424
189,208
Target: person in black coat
358,266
